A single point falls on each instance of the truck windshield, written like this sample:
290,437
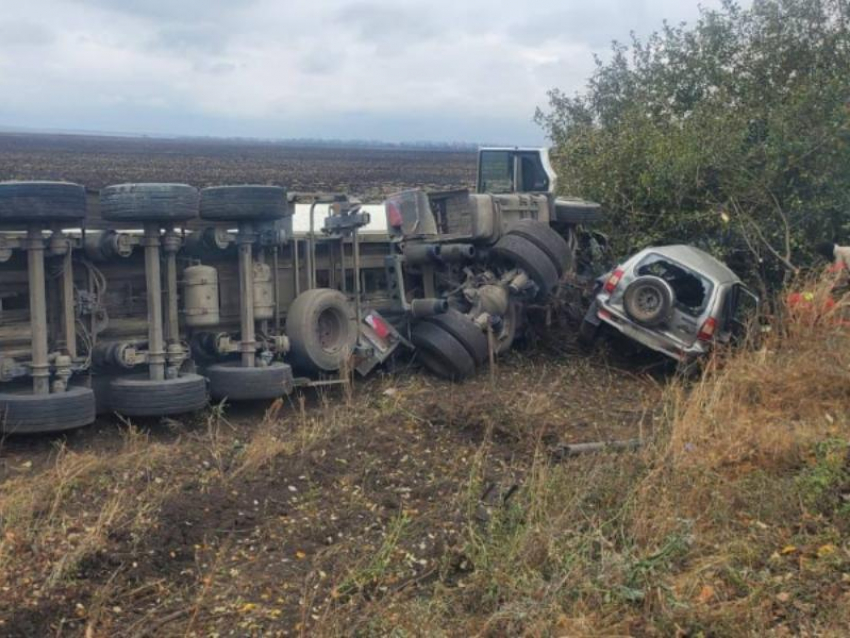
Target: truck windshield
495,172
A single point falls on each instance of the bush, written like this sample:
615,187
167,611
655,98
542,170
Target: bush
733,134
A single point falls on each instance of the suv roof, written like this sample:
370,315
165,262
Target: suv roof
698,260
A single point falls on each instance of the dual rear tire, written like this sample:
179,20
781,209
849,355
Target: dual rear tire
538,250
450,345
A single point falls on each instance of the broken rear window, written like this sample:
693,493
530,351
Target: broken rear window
691,289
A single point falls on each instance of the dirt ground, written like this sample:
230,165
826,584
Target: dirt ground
290,519
95,162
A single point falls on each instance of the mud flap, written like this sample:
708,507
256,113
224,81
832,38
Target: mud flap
592,314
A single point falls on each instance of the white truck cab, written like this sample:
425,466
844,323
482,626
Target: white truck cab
515,170
504,170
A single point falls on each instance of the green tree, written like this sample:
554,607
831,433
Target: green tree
732,134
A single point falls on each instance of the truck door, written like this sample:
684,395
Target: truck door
531,174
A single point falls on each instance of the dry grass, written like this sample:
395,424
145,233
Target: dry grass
279,435
756,463
766,405
56,522
733,520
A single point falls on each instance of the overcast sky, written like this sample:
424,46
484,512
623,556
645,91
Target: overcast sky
394,70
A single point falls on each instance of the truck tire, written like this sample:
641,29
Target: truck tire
649,300
243,203
546,239
22,412
149,203
521,253
322,330
137,395
34,202
232,382
466,332
441,353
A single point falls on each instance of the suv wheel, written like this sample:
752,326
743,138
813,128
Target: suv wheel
649,300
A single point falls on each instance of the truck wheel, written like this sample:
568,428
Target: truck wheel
466,332
137,395
322,329
521,253
22,412
232,382
648,300
243,203
34,202
441,353
149,203
546,239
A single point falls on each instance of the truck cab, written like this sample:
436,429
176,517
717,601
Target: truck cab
504,170
527,170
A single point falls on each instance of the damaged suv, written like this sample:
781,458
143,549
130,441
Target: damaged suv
676,300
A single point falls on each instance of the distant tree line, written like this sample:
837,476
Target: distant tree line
732,134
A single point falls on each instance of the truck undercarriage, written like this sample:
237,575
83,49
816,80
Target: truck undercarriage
151,299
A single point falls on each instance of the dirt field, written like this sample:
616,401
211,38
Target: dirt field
291,521
96,162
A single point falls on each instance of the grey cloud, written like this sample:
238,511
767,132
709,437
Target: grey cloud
321,61
214,68
594,25
379,22
172,9
599,23
16,34
192,38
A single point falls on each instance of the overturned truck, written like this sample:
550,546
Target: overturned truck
148,300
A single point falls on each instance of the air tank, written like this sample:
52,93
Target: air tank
200,296
263,292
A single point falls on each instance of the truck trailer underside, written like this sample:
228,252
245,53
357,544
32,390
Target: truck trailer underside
152,299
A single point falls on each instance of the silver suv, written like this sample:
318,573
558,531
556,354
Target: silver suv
676,300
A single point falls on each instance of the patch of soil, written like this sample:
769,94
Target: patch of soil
376,505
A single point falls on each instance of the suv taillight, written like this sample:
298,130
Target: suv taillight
613,281
706,333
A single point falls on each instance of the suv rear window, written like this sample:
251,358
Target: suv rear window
692,290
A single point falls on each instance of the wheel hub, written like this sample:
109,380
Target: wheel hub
648,300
